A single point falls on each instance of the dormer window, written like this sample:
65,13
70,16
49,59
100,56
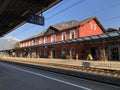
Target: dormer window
72,34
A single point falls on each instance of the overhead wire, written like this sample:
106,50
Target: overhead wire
74,4
50,12
57,6
61,11
112,18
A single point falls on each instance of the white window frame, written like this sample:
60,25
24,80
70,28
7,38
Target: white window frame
26,43
21,45
63,33
72,31
32,42
53,38
29,43
40,42
36,41
45,40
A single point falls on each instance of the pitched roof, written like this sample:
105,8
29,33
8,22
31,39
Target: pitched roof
112,29
74,23
35,36
67,25
50,30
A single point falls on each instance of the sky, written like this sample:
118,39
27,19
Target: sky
107,12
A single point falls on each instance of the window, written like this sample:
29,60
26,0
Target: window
29,43
24,44
63,51
36,41
94,26
91,25
21,45
72,34
32,42
45,39
63,35
53,38
40,41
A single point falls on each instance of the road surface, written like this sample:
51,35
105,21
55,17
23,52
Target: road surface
16,77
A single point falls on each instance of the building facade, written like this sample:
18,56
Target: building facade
73,40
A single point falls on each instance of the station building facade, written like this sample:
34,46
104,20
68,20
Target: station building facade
73,40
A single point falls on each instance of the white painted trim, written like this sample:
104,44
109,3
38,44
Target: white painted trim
71,32
45,39
62,35
53,35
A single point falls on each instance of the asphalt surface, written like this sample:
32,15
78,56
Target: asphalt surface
16,77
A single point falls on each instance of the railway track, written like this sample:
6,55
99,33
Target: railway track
98,71
91,70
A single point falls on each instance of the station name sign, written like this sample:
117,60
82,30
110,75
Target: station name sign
35,19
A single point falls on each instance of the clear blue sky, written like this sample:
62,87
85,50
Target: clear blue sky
107,11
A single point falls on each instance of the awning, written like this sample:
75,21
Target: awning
13,12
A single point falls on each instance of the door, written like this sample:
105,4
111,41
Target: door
72,53
53,53
114,53
64,53
93,52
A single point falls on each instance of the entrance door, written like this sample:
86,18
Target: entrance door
53,53
64,53
93,52
114,53
72,53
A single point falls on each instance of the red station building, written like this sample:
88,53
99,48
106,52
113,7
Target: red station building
73,40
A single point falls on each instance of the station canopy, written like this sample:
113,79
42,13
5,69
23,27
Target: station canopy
13,12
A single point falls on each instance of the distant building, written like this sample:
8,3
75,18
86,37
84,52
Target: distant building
68,39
